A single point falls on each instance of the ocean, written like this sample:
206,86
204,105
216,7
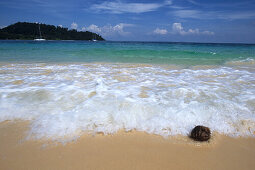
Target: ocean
65,89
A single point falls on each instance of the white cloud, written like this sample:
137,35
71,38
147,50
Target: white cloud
178,29
83,29
120,28
188,14
74,25
61,26
109,30
197,14
119,7
160,31
193,2
208,33
93,28
168,2
237,15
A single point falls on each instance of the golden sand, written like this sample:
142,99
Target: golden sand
18,82
132,150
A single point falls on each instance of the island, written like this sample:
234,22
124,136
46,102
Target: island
32,31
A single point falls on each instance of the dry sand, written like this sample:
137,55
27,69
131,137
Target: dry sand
132,150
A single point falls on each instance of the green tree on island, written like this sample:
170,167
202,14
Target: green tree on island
30,31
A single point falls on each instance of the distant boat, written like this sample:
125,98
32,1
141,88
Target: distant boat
40,39
94,39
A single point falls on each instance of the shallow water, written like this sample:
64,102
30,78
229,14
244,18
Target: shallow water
124,52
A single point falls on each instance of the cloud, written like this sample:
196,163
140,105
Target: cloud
118,7
93,28
61,26
224,15
74,26
83,29
160,31
178,29
189,14
208,32
120,28
222,4
238,15
109,30
168,2
194,2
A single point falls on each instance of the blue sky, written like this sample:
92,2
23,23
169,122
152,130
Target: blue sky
142,20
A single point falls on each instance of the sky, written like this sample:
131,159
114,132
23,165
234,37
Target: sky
228,21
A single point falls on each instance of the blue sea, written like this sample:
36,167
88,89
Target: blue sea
68,88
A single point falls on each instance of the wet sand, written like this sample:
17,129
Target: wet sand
132,150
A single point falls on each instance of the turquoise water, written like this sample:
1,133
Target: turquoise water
69,88
124,52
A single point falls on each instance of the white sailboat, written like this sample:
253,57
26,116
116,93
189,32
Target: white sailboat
94,39
40,39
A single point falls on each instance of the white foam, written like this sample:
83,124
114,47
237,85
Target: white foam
247,61
64,101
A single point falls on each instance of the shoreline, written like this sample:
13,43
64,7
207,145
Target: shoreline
61,101
232,64
124,150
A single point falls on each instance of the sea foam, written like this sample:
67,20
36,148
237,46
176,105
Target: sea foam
64,101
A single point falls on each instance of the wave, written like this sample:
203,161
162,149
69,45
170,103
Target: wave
242,62
64,101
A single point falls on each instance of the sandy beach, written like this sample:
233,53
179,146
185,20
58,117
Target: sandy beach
56,115
124,150
127,85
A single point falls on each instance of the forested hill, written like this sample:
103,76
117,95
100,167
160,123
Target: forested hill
30,31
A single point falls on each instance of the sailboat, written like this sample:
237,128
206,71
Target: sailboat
94,39
39,39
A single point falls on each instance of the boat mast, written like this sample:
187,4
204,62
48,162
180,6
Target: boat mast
40,38
40,32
